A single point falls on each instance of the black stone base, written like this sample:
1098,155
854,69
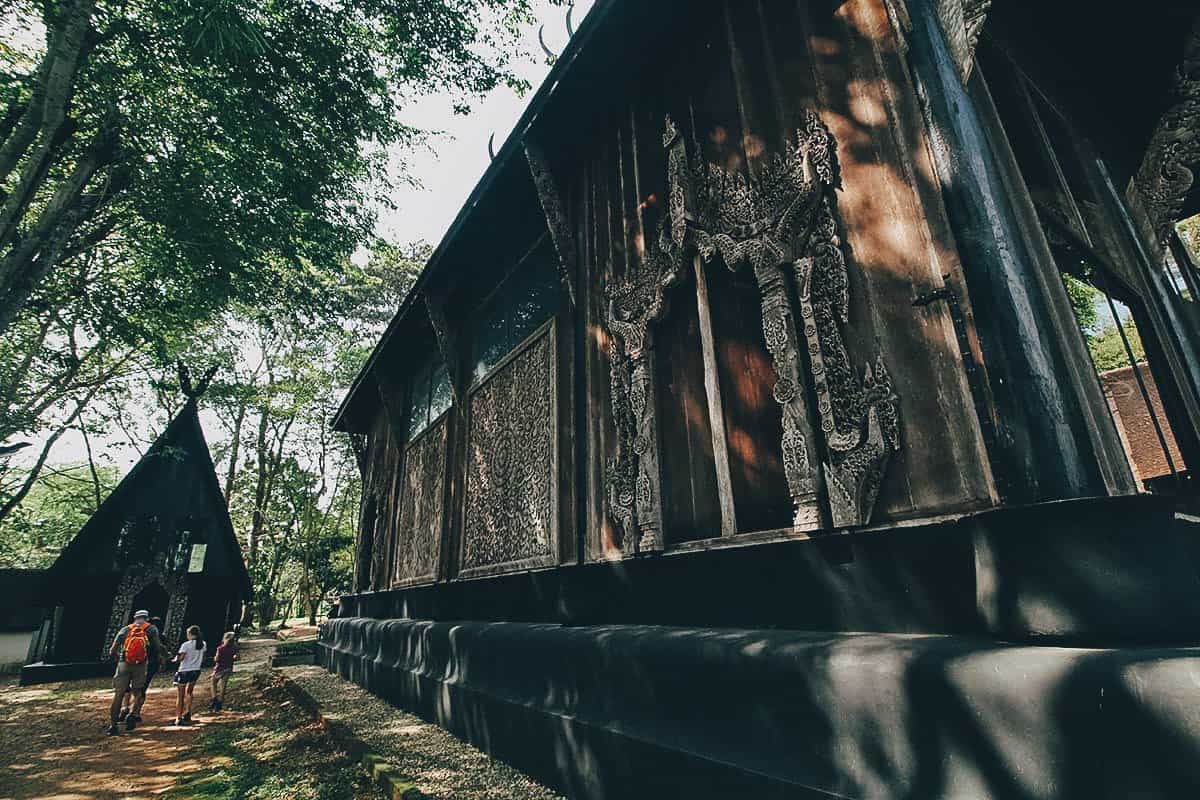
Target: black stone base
642,711
32,674
1098,572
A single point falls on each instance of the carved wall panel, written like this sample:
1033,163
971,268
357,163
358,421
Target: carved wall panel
422,506
510,519
378,491
136,578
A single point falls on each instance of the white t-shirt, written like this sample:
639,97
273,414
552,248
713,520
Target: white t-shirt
191,657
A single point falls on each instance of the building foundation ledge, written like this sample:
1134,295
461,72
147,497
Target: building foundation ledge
647,711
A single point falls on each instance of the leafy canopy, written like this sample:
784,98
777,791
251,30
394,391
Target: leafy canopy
245,145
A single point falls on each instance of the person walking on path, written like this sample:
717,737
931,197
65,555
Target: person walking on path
190,657
134,647
133,702
226,654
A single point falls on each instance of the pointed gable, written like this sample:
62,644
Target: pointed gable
175,487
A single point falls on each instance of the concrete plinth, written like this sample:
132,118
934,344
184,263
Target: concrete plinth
645,711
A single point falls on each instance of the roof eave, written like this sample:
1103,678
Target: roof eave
513,146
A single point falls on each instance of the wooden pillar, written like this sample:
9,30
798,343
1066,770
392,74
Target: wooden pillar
1046,451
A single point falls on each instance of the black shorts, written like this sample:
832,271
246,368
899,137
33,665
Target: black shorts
191,676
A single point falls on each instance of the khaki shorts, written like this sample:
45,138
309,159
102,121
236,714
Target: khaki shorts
129,676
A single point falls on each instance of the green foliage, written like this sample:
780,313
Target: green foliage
245,145
1083,299
1108,351
57,507
1099,331
245,150
240,152
276,752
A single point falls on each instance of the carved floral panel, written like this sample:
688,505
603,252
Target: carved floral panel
422,503
510,519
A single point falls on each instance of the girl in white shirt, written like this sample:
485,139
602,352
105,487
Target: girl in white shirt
189,657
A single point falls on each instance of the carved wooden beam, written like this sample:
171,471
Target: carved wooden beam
961,21
1167,172
557,220
391,396
447,340
358,444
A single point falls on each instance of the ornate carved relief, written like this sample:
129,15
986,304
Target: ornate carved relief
784,222
962,21
136,578
557,221
422,502
511,510
1167,172
379,481
634,305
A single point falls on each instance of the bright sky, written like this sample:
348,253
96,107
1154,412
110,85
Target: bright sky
446,172
449,173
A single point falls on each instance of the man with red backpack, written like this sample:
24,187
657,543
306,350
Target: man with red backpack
134,647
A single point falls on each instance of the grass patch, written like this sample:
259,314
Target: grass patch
296,647
276,751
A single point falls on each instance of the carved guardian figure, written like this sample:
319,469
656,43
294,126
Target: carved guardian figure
634,304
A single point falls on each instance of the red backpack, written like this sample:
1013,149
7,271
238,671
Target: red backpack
137,643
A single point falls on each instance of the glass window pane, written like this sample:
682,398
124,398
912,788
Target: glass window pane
440,397
490,340
418,413
535,297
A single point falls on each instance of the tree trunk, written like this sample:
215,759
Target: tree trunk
101,380
28,263
61,64
258,516
87,444
235,449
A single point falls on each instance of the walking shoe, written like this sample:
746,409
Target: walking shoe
131,722
112,730
124,713
187,719
175,723
218,705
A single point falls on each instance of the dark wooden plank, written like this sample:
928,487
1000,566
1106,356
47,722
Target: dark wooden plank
712,393
898,246
691,509
752,417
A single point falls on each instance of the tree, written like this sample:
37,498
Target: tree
162,163
1108,351
1083,299
221,150
56,508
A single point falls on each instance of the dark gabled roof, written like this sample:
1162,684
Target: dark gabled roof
183,431
592,72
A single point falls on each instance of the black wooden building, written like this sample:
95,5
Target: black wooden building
162,541
739,438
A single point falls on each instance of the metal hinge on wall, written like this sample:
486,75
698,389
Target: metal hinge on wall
971,365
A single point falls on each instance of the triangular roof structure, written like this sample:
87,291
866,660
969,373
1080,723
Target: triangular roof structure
182,434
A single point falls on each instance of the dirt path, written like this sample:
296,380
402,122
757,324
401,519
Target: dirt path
53,744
